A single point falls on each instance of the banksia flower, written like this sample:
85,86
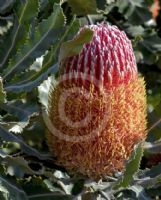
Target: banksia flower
154,9
98,107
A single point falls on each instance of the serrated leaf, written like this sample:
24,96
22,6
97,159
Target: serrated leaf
9,137
83,7
27,87
47,33
140,192
17,166
27,12
5,28
2,92
47,66
15,127
73,47
131,168
23,111
43,90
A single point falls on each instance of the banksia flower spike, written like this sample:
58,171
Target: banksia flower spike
98,107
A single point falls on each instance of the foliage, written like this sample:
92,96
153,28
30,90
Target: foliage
31,34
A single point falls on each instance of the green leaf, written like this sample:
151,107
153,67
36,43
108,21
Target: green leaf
12,191
150,182
136,12
50,196
23,111
47,33
38,188
154,101
153,42
47,66
150,48
73,47
135,30
78,187
153,147
2,92
27,11
43,90
154,191
154,171
17,166
8,38
5,6
83,7
105,5
28,86
5,135
46,8
140,192
132,167
140,16
123,4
